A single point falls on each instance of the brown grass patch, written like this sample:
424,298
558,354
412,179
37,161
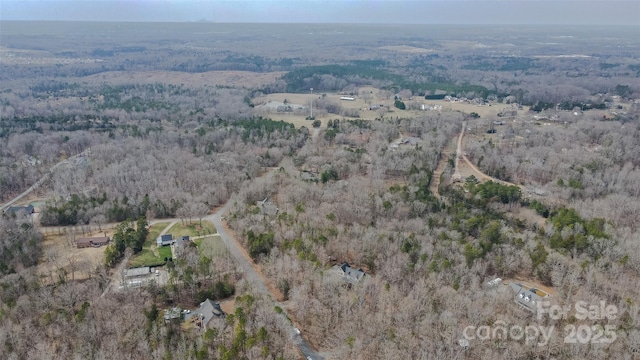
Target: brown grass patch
229,306
61,258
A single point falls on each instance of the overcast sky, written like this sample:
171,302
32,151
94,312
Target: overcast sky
614,12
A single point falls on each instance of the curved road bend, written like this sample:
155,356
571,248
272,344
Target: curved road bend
256,279
480,175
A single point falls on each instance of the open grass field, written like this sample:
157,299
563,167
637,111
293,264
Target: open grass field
368,96
192,229
211,246
299,119
484,111
151,254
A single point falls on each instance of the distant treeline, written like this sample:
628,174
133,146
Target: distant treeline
317,77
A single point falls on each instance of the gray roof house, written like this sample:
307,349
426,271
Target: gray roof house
135,272
267,207
182,240
180,244
207,311
308,176
351,274
20,210
411,140
166,239
526,298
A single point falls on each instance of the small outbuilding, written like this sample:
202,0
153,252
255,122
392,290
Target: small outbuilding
173,314
137,272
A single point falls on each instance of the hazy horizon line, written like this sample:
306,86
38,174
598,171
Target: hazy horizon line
313,23
409,12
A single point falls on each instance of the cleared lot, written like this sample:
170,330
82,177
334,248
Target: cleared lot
62,260
370,104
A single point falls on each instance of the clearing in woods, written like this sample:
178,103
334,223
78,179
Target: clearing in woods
62,260
152,255
192,229
364,105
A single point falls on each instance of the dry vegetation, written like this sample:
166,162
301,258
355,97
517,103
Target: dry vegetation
62,260
170,127
228,78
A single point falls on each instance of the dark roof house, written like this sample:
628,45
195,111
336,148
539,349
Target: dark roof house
83,243
166,239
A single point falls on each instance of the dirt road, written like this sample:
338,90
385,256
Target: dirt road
442,165
40,181
477,172
456,173
314,137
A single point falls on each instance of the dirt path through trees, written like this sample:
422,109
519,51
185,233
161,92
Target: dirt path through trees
253,273
437,173
456,173
477,172
39,182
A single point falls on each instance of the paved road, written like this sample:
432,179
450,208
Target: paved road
256,279
243,259
253,276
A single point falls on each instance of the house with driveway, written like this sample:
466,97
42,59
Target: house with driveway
163,240
207,311
527,298
180,245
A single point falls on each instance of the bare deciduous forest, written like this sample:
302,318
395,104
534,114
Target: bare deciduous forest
433,159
